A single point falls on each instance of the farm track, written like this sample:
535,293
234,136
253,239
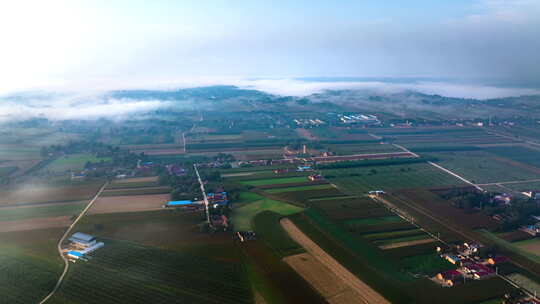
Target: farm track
59,245
366,293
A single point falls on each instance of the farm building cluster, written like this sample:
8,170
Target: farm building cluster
308,122
533,229
364,119
81,245
470,265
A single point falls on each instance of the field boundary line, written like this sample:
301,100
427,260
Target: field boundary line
442,168
59,245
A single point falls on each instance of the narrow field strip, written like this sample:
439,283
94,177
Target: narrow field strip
366,293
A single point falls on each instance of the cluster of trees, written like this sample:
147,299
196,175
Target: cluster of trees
97,148
517,213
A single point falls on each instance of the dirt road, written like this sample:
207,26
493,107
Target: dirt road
366,293
64,236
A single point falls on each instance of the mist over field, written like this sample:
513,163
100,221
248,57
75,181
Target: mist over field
58,105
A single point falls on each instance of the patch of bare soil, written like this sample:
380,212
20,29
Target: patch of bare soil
136,180
365,293
331,287
129,203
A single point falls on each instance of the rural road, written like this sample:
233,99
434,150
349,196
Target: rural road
367,294
59,245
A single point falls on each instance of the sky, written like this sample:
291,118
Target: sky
75,44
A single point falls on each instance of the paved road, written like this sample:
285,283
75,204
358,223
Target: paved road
59,245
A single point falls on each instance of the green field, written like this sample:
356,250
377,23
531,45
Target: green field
510,246
5,171
132,273
267,227
403,239
482,167
23,213
136,191
374,220
29,265
275,181
242,217
392,234
73,162
392,177
248,197
428,264
19,152
518,153
300,188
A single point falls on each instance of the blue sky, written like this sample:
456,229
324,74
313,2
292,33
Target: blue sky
70,43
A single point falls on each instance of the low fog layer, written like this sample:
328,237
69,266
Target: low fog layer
70,105
73,107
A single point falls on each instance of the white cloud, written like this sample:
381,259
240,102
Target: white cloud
303,88
70,107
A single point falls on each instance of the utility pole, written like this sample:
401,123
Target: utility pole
204,196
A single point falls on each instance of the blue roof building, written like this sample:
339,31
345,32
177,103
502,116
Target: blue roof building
180,203
75,254
82,239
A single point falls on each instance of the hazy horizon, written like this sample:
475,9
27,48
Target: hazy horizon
78,44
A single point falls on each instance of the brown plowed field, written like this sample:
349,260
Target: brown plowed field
35,224
365,293
129,203
136,180
330,286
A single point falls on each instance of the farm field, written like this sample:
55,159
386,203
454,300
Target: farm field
35,223
273,279
525,186
6,171
148,179
300,188
125,191
532,246
518,153
46,193
428,264
392,177
441,208
133,184
530,285
45,210
481,167
73,162
267,226
242,217
19,152
364,291
24,255
435,135
131,203
322,279
141,274
164,229
275,181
